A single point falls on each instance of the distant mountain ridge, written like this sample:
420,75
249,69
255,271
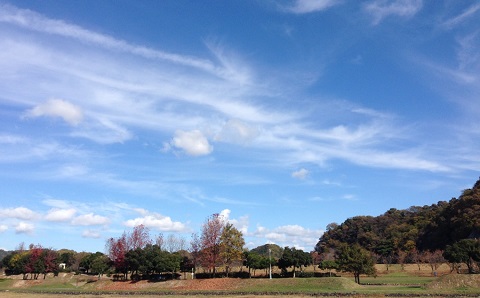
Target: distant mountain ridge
276,251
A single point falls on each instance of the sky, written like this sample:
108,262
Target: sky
283,116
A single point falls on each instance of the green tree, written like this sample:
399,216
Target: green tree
67,257
87,261
328,265
232,243
295,258
254,261
355,259
100,264
464,251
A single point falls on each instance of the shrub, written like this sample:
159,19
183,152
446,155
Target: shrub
303,274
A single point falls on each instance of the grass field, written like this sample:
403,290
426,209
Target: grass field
396,282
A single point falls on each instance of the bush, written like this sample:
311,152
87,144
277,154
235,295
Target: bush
241,274
118,277
135,277
303,274
209,275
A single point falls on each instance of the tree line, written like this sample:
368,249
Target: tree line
436,234
135,255
443,232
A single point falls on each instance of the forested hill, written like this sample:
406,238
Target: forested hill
416,228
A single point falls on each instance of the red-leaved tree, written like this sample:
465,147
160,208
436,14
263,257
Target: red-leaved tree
210,241
139,238
50,261
34,264
116,249
195,250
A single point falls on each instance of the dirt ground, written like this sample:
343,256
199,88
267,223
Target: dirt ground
27,295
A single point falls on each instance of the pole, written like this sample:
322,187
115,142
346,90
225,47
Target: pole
270,261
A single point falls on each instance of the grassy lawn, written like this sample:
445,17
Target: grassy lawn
5,283
398,278
298,285
396,283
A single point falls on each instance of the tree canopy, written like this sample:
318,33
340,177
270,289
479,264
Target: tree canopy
355,259
418,228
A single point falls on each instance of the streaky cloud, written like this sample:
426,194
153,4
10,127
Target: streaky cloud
381,9
457,20
34,21
310,6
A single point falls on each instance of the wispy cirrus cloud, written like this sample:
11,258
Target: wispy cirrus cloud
16,148
309,6
381,9
34,21
461,18
196,109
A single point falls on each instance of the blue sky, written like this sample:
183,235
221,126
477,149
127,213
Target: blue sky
284,116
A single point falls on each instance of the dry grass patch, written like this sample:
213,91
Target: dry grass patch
456,282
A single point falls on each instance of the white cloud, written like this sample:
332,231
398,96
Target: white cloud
73,170
58,204
18,213
33,149
158,222
103,131
35,21
241,223
24,228
90,219
290,235
91,234
330,182
380,9
468,55
192,142
350,197
120,98
237,132
69,112
59,215
450,23
301,174
225,214
11,139
308,6
132,99
3,228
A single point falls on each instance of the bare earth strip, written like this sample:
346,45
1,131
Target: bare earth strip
36,295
